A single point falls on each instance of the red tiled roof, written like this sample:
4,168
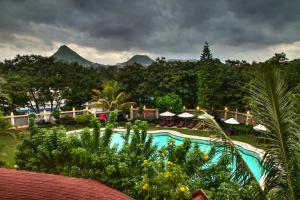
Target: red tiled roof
25,185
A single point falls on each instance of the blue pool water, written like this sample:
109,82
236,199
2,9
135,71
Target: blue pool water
161,139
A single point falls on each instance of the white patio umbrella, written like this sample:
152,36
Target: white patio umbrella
185,115
231,121
167,114
205,116
260,127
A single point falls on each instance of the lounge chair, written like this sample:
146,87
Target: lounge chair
191,125
163,122
171,123
180,124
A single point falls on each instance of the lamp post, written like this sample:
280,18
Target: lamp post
247,117
131,112
225,112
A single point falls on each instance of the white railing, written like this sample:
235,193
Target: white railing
22,121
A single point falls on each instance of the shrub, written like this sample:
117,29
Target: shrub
84,119
122,117
43,122
56,114
237,129
67,120
169,102
4,125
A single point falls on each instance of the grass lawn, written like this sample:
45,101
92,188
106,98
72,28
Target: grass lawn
68,127
8,143
7,149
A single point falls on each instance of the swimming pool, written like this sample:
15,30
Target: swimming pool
161,139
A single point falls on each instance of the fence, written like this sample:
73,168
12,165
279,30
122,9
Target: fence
22,121
245,118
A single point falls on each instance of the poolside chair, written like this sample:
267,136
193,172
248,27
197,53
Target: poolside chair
163,122
191,125
171,123
180,124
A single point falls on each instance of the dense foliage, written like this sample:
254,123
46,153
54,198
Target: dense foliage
209,83
111,97
171,102
137,167
34,81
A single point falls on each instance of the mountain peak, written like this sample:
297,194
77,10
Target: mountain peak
66,54
64,47
140,59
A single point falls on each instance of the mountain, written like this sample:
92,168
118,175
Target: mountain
66,54
140,59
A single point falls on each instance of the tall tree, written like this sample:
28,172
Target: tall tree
206,54
37,82
132,80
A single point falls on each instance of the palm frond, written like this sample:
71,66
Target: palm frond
98,94
227,148
101,103
274,107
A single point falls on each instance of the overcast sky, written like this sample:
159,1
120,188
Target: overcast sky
111,31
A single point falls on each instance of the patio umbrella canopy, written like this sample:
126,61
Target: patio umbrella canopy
167,114
185,115
260,127
231,121
205,116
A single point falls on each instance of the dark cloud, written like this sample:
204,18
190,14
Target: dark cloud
154,26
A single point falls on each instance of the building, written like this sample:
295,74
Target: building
25,185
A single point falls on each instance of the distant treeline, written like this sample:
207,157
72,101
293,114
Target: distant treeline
208,83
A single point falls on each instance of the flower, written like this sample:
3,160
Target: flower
184,188
145,161
146,186
170,163
205,157
167,174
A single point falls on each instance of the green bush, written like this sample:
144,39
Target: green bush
138,167
67,120
84,119
56,114
237,129
171,102
4,125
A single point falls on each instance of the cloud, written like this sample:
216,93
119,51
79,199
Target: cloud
172,28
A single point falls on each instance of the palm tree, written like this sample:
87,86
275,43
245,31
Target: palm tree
110,98
274,106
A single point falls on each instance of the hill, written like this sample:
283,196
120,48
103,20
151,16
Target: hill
66,54
140,59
